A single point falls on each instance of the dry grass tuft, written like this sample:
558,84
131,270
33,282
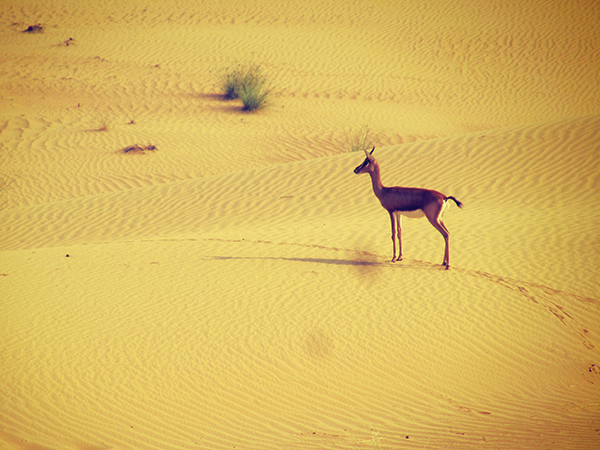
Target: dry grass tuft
363,140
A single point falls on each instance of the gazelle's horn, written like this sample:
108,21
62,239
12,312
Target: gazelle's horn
372,151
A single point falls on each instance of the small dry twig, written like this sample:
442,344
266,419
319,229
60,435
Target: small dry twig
138,149
37,28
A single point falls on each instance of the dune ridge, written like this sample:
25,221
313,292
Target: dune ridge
233,289
527,175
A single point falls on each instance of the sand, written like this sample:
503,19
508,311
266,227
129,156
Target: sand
232,288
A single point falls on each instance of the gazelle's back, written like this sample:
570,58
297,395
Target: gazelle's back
412,199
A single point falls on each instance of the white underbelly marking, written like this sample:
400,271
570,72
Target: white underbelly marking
412,214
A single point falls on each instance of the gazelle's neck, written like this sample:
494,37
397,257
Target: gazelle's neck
376,180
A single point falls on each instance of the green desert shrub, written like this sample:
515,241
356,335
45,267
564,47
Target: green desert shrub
253,97
229,84
246,83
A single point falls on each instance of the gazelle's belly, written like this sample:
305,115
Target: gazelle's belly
412,214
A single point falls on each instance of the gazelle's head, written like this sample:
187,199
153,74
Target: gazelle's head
368,164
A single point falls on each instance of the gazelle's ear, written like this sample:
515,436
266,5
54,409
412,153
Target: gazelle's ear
370,156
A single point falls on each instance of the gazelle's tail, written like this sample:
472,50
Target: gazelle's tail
459,204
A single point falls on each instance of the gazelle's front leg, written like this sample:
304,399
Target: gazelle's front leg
393,220
396,220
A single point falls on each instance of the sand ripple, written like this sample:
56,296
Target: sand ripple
233,289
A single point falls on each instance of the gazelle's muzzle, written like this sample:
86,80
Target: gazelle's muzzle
361,167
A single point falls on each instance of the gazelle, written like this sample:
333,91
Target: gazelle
410,202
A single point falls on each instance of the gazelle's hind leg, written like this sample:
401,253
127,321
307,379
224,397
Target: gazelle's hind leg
434,213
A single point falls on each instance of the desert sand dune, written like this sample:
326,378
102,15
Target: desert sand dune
232,288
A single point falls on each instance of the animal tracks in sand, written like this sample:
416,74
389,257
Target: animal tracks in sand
546,297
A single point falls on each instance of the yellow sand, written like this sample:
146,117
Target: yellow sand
233,288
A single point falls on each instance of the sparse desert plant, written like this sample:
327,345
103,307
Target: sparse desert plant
375,440
254,97
363,140
102,126
227,84
246,83
230,81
